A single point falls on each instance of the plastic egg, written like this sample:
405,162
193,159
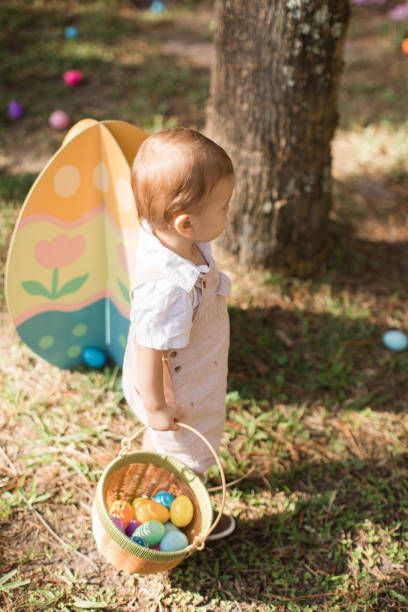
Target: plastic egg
137,540
174,540
132,526
395,340
73,77
165,498
181,511
122,510
58,120
157,7
118,523
137,501
15,110
151,532
152,511
71,32
94,357
170,527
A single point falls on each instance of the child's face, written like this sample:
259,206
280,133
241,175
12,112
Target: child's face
211,221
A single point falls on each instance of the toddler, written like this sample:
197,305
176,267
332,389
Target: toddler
176,359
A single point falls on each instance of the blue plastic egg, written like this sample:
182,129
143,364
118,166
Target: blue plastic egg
170,527
94,357
157,7
395,340
165,498
71,32
173,540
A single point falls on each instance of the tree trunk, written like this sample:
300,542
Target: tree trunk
273,108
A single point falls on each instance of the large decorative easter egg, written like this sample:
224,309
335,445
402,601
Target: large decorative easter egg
181,511
165,498
395,340
123,510
71,257
151,532
174,540
152,511
93,357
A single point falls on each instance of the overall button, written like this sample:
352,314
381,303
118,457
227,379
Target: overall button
173,354
177,369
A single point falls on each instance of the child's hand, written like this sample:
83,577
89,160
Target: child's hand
165,419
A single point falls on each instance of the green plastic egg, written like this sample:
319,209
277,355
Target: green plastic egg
151,532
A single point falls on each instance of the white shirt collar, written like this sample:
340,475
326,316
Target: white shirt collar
153,254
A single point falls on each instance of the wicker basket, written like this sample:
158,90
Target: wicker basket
140,473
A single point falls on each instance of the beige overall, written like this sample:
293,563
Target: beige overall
194,377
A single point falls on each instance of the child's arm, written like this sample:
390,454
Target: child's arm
150,383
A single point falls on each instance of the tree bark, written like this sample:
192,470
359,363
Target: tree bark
272,107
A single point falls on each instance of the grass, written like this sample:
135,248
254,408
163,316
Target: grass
316,405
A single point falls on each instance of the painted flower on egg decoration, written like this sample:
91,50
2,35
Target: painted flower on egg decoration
70,259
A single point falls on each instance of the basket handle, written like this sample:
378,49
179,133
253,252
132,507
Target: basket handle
199,541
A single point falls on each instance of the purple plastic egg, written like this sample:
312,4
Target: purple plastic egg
118,523
131,528
15,110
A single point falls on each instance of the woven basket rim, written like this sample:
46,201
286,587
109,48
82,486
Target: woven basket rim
185,474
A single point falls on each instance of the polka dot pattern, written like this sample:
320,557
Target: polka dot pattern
67,181
124,194
100,177
46,342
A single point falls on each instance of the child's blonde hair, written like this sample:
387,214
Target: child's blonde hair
172,172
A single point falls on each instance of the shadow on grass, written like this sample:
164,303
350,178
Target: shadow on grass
333,359
338,535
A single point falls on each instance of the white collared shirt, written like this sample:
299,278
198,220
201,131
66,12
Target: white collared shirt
162,310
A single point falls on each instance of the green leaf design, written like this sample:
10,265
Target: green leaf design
124,290
72,285
36,288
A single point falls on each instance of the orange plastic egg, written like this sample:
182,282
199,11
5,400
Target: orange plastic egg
123,510
181,511
152,511
137,501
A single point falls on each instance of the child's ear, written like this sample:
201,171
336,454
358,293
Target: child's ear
183,224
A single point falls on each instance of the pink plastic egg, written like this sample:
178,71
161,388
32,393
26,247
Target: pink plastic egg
73,77
58,120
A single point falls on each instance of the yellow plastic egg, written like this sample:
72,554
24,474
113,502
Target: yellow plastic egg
181,511
152,511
